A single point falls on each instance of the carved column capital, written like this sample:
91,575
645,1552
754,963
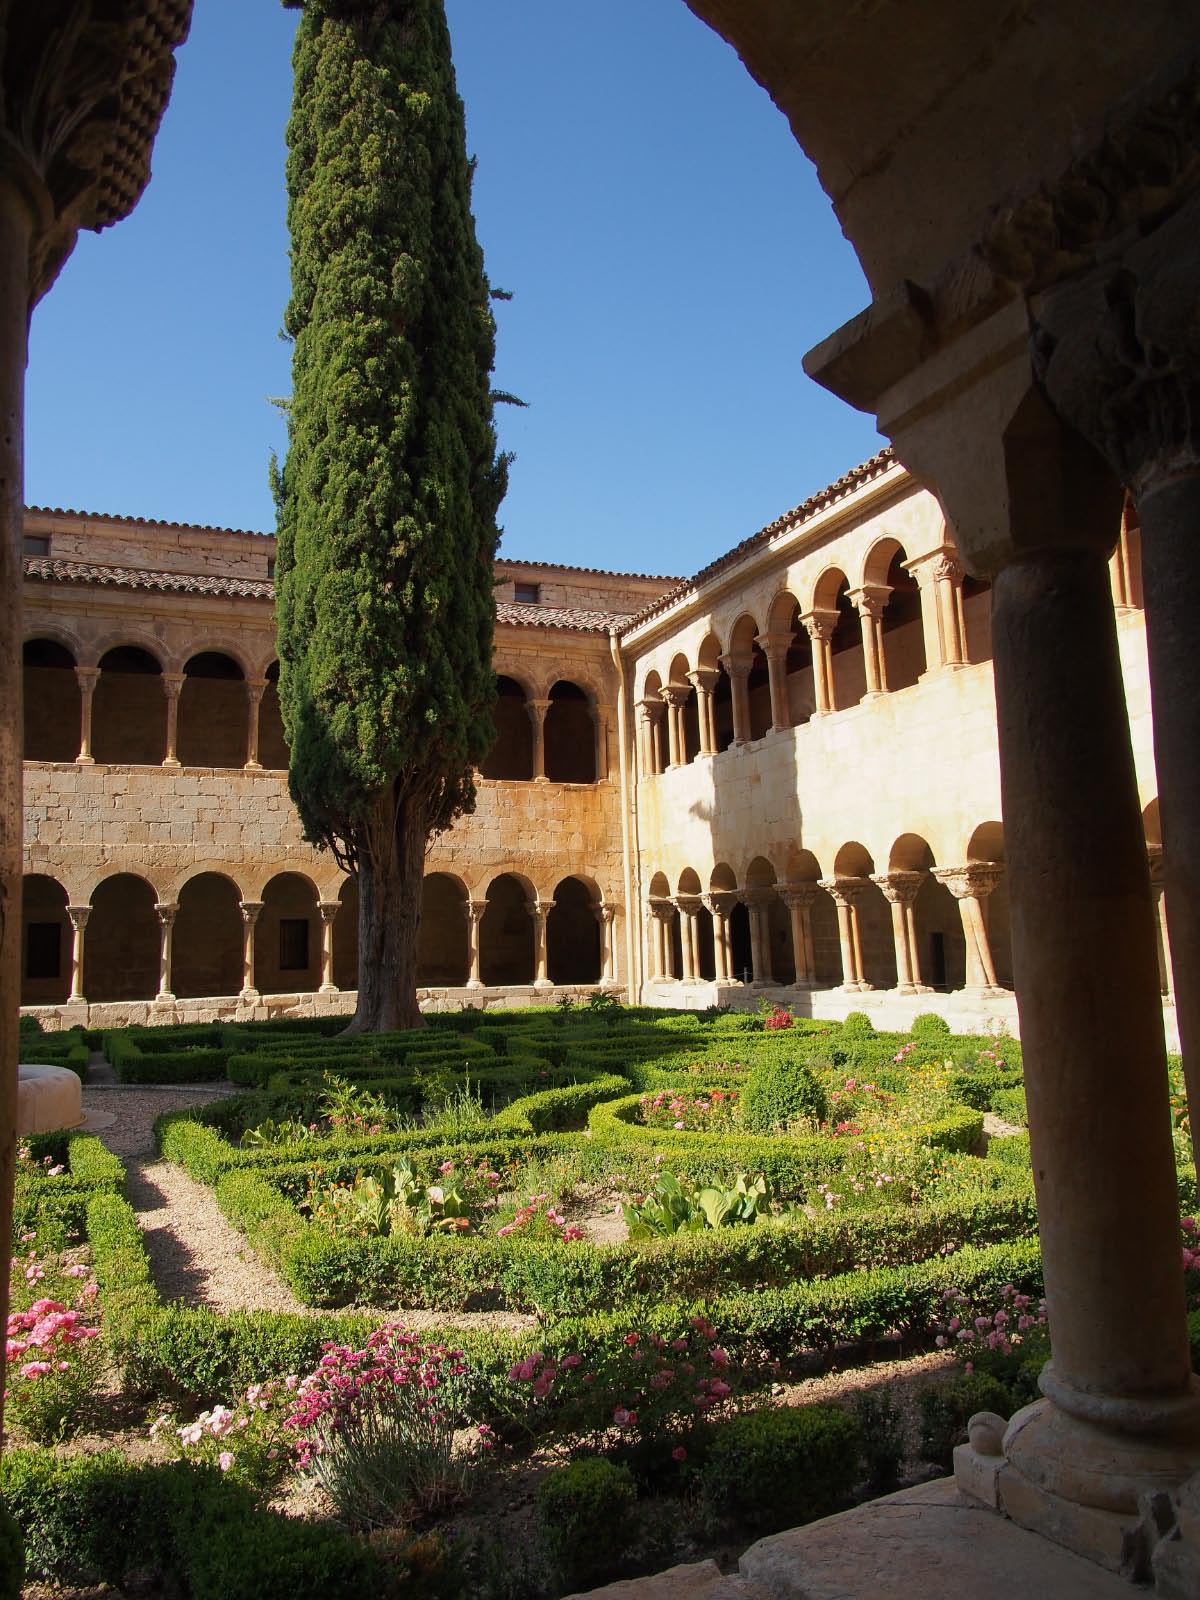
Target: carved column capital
674,694
735,667
900,888
329,909
251,911
703,679
975,881
870,600
662,909
79,916
537,710
720,902
819,624
173,683
688,905
167,911
605,914
798,894
87,678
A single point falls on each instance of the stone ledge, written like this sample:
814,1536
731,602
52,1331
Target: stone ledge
701,1580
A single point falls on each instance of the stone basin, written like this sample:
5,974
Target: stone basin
48,1098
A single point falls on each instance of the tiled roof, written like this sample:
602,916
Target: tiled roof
52,571
879,463
144,522
85,572
594,572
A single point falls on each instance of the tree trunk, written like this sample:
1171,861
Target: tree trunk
391,869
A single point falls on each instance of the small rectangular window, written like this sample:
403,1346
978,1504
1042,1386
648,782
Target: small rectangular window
35,544
270,566
43,950
527,594
293,944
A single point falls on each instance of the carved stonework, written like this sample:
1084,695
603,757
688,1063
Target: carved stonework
900,888
975,881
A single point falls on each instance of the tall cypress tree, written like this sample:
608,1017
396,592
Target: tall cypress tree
389,493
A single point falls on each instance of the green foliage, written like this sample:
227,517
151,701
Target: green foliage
388,498
857,1025
881,1430
580,1507
929,1026
12,1554
782,1093
779,1468
677,1207
946,1410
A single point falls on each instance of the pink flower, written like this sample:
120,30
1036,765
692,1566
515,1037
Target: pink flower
446,1166
679,1453
631,1338
225,1460
35,1369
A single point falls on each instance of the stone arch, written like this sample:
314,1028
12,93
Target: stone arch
902,628
853,866
652,742
708,659
443,945
206,946
511,757
832,597
129,711
722,878
761,880
936,924
287,941
783,622
123,941
569,734
573,933
659,893
345,936
986,845
272,745
212,711
46,937
506,933
689,712
746,652
51,700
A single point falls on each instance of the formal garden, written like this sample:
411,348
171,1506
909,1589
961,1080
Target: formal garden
561,1277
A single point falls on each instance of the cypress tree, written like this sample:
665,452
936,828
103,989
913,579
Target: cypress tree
389,492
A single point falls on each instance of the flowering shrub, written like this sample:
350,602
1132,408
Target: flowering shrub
872,1176
248,1441
52,1345
402,1203
538,1219
376,1427
778,1017
715,1112
1191,1260
1018,1320
857,1108
47,1167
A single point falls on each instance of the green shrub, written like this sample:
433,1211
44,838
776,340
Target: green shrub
776,1469
12,1555
779,1093
946,1410
857,1025
882,1432
928,1025
580,1508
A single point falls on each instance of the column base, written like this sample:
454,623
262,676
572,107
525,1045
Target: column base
249,996
860,986
85,761
329,988
474,983
542,983
914,988
252,766
163,998
171,761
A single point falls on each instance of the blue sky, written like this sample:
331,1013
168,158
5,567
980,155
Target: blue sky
670,250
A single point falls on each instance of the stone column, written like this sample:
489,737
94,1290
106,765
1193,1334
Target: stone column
167,912
328,910
738,673
539,913
775,647
255,689
869,602
756,902
251,910
537,710
172,683
819,626
702,680
721,905
605,916
939,576
798,898
970,886
673,699
841,891
600,718
688,906
900,889
87,679
1119,570
474,910
661,913
79,920
1166,982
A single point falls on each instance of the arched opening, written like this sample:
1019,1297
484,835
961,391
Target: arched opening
345,937
798,662
212,712
987,845
443,957
747,652
206,945
573,934
272,746
287,944
741,959
51,699
775,924
506,952
45,942
853,867
722,696
123,941
936,927
511,757
662,930
977,618
129,710
902,626
846,651
689,709
652,743
570,735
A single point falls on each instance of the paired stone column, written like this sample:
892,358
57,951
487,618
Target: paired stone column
1158,887
601,719
757,902
844,894
255,689
652,713
167,910
87,679
661,913
688,906
539,913
721,905
738,673
775,647
970,886
900,890
474,910
251,911
703,680
869,602
798,898
939,575
79,920
537,710
605,916
328,910
674,699
172,683
819,626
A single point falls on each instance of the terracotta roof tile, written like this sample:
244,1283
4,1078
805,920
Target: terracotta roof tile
51,571
526,616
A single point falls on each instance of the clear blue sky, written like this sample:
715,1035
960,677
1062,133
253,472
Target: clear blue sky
670,250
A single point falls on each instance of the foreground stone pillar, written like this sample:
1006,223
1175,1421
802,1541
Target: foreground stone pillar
820,625
900,890
328,910
474,910
87,679
537,710
798,898
167,912
539,913
703,680
79,920
970,885
172,683
251,911
255,689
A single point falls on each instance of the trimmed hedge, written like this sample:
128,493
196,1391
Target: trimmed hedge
61,1202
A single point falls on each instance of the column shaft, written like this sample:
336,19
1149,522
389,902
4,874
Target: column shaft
254,694
172,687
541,978
87,678
166,918
79,919
475,910
329,910
250,910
